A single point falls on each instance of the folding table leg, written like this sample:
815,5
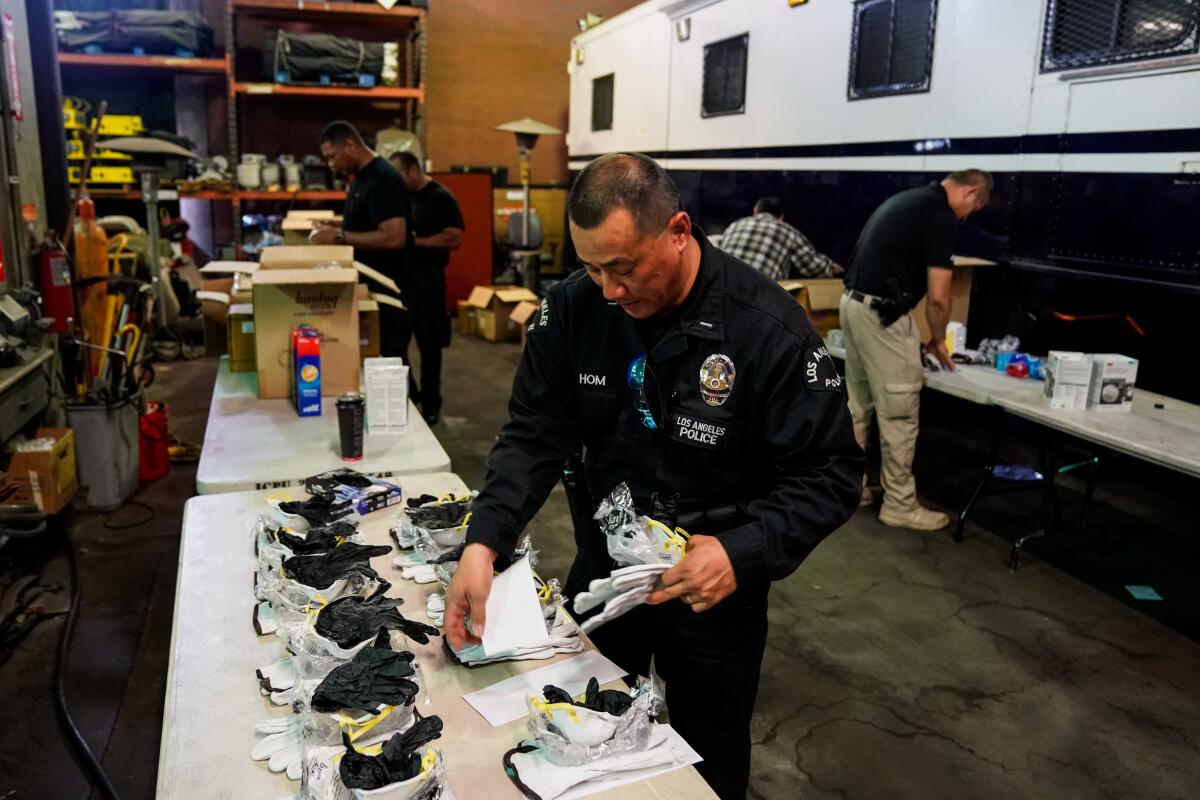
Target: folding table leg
993,456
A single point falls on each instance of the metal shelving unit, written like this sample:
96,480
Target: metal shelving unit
125,63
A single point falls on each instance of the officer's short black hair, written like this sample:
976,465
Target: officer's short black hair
339,132
973,177
769,205
406,159
630,181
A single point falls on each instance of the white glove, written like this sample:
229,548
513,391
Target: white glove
549,780
280,746
435,609
408,560
601,590
278,676
265,621
421,573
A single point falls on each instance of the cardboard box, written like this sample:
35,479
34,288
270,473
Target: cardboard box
466,317
1068,379
1113,379
960,294
369,332
216,316
296,229
322,298
819,297
305,257
493,305
306,371
241,337
44,470
799,292
521,315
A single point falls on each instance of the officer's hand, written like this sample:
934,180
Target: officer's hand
467,595
838,269
938,349
703,579
323,234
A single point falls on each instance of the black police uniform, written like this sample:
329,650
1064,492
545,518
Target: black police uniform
769,466
378,194
434,208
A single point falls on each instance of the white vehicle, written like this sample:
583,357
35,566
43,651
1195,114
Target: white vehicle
1086,111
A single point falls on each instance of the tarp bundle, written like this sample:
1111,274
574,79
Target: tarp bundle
310,56
161,32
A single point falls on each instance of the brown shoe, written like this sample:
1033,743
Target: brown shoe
916,519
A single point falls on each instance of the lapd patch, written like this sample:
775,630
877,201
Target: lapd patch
717,375
820,373
542,319
697,431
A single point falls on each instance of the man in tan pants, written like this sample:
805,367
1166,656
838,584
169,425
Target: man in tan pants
902,255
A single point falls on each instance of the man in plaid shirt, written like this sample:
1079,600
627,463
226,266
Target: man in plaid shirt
774,248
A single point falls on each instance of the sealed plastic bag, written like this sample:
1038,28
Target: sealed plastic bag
636,539
320,571
351,620
402,758
597,725
377,675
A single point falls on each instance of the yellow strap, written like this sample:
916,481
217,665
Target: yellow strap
466,519
357,730
545,707
280,497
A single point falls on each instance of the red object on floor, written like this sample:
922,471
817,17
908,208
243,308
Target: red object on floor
153,457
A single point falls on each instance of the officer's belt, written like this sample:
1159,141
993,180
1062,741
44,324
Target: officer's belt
860,297
711,520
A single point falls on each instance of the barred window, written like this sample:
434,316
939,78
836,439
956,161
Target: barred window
891,48
602,103
725,76
1081,33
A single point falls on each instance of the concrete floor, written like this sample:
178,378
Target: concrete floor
898,664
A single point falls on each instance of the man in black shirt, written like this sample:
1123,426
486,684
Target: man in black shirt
375,221
437,228
902,255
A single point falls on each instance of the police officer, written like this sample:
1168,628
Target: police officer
903,253
738,432
375,221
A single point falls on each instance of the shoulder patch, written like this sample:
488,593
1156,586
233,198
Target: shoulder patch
820,373
541,320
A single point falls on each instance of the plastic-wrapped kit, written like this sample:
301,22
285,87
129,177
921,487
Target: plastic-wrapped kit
636,539
402,768
441,517
274,543
351,620
604,723
341,563
300,515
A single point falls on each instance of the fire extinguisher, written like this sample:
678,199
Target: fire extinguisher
58,300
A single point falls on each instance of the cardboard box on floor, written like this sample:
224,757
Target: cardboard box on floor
493,305
960,294
521,315
819,297
288,291
45,475
466,317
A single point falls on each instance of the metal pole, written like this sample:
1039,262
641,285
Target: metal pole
150,197
524,197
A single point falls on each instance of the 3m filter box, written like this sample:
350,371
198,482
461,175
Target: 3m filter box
1068,379
1113,379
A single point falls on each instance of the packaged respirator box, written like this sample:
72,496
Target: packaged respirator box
1068,379
306,371
1113,379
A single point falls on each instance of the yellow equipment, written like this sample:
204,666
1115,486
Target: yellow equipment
103,175
121,125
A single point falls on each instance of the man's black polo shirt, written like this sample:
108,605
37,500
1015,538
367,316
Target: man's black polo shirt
908,233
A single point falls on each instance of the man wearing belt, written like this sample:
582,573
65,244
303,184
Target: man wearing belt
725,352
374,222
902,255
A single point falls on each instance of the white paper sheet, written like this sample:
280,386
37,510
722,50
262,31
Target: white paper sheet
504,702
684,756
514,616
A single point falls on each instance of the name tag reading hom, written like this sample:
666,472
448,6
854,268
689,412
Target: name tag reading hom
697,431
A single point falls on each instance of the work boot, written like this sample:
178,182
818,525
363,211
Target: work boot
918,518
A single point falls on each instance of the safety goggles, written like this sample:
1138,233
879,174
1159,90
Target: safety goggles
636,379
